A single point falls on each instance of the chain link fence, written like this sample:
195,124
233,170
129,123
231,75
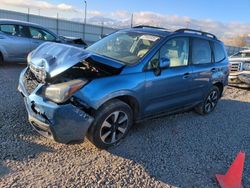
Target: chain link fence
90,33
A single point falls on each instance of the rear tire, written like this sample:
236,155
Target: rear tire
1,59
210,101
112,123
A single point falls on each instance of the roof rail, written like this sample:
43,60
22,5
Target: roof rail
148,26
196,31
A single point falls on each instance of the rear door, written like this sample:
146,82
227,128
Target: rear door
170,89
221,66
39,36
16,43
202,68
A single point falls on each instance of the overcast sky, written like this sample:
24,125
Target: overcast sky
222,17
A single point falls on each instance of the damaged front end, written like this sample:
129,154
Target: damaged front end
240,74
55,73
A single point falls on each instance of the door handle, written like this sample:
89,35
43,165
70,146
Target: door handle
186,75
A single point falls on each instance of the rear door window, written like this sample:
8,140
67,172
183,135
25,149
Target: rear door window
219,52
201,52
22,31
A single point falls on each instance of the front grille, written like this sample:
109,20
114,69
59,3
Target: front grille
235,67
30,81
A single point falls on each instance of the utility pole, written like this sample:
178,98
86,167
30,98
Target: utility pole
85,19
85,16
102,31
132,20
28,16
57,24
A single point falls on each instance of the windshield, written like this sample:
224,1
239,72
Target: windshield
128,47
242,55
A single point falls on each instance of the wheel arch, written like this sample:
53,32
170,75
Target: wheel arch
128,99
132,102
1,55
220,86
4,53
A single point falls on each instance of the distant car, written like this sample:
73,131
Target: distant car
240,69
128,76
74,41
18,38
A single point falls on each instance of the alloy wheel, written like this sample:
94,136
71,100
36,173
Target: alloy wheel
211,101
114,127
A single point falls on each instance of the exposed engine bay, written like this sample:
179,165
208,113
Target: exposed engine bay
86,69
55,63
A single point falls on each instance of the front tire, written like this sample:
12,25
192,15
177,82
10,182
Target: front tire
112,123
210,102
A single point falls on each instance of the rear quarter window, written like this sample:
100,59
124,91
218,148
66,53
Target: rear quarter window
219,52
8,29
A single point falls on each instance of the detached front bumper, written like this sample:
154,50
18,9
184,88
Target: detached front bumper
240,79
63,123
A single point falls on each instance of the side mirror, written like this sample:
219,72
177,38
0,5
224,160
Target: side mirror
164,63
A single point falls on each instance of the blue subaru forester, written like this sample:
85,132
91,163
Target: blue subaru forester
124,78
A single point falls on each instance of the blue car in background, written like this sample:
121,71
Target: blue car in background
18,38
126,77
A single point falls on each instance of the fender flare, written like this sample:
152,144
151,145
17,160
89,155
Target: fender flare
116,94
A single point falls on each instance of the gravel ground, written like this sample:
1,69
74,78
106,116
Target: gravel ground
184,150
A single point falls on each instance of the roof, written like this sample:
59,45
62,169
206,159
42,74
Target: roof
9,21
163,32
152,31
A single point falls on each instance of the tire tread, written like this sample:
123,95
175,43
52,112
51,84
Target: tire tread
99,115
200,108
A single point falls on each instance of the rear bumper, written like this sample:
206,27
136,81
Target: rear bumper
240,79
63,123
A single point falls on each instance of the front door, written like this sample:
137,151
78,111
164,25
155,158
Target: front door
170,89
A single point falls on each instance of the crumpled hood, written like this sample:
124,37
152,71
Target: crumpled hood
56,58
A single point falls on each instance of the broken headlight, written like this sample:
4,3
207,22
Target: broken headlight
29,57
60,93
38,68
246,66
